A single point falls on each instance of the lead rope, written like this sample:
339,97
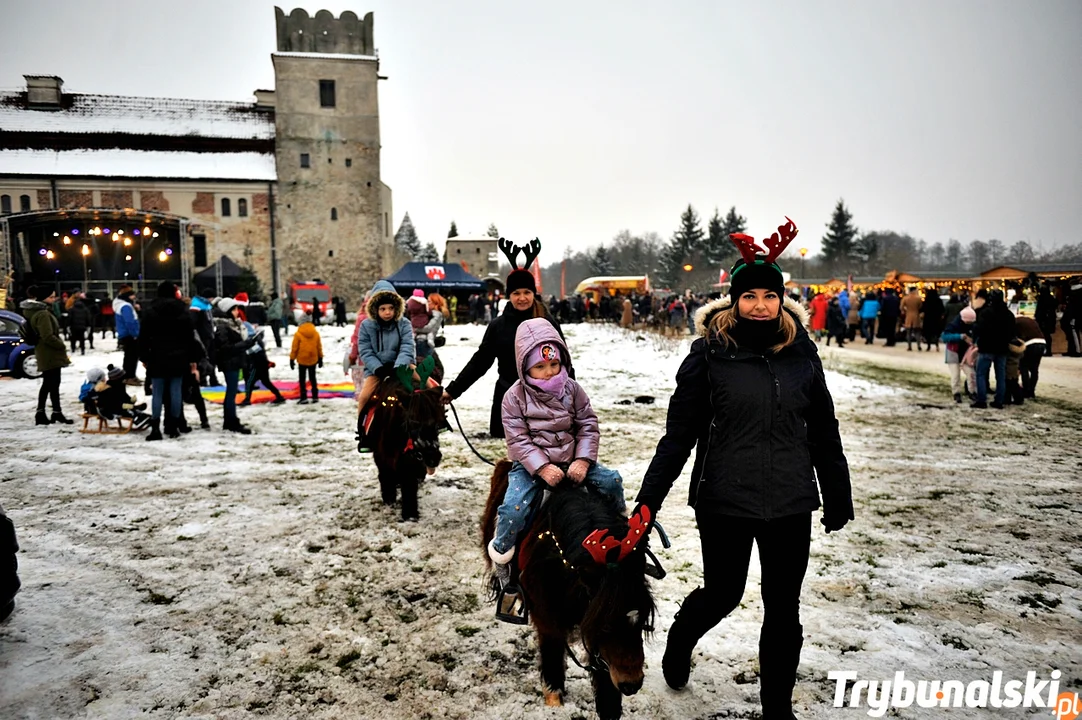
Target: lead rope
459,423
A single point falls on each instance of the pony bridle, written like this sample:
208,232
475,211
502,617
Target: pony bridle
775,244
598,543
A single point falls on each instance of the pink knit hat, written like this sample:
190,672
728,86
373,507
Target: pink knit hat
419,293
544,351
969,315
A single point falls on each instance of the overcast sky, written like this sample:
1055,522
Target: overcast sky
571,120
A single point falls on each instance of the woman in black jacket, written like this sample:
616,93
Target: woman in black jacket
751,396
499,344
231,343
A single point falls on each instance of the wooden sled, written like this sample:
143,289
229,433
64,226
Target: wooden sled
105,426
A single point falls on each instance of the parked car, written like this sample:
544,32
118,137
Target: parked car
16,357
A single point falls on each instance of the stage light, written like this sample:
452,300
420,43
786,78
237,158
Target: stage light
106,231
119,232
155,235
56,234
116,237
135,231
49,254
146,230
93,231
127,257
169,251
127,242
67,240
42,251
75,231
85,250
162,256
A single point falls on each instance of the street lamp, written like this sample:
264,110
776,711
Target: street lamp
85,251
803,252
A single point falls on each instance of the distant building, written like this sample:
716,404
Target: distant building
480,256
288,185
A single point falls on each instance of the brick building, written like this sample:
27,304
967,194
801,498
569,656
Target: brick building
105,189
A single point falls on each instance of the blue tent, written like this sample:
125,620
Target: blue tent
435,277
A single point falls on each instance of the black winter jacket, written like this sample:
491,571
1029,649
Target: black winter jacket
80,317
764,429
230,345
167,344
995,328
498,344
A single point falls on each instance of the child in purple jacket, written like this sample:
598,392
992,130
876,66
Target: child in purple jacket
551,433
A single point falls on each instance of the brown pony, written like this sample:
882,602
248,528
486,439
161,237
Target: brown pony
576,590
405,429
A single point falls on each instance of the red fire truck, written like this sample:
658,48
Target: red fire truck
302,295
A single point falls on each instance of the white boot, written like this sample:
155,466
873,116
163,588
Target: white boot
501,563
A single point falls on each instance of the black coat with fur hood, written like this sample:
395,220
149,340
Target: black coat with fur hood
763,425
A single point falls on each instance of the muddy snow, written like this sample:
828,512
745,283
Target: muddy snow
220,576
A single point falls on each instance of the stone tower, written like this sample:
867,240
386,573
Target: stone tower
333,211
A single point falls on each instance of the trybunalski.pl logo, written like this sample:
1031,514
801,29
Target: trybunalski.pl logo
881,695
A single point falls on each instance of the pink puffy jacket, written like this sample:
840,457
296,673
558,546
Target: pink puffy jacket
542,428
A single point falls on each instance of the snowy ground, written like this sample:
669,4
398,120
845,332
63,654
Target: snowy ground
220,576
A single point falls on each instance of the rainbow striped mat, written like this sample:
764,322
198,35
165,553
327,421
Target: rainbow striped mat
290,390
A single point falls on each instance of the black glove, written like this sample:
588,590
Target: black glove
292,364
384,371
833,523
321,362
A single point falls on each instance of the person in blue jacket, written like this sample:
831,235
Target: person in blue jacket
384,343
869,311
127,333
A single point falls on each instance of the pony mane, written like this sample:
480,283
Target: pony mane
575,513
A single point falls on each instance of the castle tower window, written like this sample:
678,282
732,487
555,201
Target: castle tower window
326,93
306,160
334,213
226,210
199,249
5,204
242,208
349,162
24,203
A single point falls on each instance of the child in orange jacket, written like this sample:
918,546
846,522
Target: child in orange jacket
307,353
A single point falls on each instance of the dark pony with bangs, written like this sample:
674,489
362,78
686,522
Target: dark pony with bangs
607,606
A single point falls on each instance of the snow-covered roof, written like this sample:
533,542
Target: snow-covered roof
326,56
139,164
138,116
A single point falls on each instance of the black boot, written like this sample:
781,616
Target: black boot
58,417
779,656
155,430
183,426
688,626
170,428
42,419
237,427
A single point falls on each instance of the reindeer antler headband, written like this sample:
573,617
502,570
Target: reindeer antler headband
775,244
511,251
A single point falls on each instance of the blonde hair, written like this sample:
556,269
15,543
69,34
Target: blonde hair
436,302
724,320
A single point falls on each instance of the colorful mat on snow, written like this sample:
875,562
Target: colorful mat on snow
289,390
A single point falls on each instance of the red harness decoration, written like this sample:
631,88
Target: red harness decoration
598,543
409,445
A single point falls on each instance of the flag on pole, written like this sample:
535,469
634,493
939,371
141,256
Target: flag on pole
536,270
723,276
563,279
849,283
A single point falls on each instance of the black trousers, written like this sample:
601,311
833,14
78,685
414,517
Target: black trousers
50,390
79,337
1029,366
276,328
260,372
131,356
311,371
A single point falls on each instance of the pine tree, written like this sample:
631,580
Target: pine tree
839,240
734,223
492,231
429,254
601,262
406,238
687,247
690,236
716,240
453,232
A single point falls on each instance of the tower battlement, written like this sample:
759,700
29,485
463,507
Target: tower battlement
324,33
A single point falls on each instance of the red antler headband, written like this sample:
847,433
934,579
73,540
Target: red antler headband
598,543
775,244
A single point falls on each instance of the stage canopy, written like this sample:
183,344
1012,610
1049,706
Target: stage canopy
435,277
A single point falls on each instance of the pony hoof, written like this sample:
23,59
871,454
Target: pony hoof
431,471
554,698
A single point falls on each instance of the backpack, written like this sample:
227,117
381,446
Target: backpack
28,334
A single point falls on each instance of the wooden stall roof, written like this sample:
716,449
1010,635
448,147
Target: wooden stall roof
1022,271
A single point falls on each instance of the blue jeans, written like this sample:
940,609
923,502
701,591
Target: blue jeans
867,329
232,381
157,386
522,491
985,362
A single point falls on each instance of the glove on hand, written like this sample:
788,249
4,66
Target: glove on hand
321,362
384,371
292,364
551,474
577,471
833,523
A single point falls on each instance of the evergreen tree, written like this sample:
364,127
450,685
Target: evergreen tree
687,247
838,242
406,238
866,251
690,236
716,240
601,262
734,223
492,231
453,232
429,254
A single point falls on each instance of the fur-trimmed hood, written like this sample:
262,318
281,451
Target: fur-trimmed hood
382,293
707,312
